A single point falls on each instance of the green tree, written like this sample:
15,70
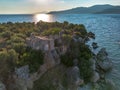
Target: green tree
8,60
52,31
33,58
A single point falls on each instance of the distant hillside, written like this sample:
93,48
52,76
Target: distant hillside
88,10
113,10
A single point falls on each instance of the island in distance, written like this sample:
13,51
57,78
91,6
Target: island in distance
96,9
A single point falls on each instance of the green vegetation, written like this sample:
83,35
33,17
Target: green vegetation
7,63
15,53
84,63
66,39
52,79
52,31
33,58
83,54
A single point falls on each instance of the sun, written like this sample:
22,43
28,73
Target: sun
38,1
41,1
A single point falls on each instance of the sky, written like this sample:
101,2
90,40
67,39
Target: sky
35,6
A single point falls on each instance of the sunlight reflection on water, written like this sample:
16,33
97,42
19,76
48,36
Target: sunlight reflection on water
43,17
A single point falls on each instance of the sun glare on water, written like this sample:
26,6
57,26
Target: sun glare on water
42,17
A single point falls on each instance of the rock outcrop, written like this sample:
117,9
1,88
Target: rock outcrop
74,80
94,45
2,86
95,77
23,79
103,61
59,78
40,43
58,59
54,76
101,64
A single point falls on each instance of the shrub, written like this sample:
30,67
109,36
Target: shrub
8,60
33,58
67,60
52,31
66,39
83,54
19,47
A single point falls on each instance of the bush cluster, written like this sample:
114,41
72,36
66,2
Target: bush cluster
13,43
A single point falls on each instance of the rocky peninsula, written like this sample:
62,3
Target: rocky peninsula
50,56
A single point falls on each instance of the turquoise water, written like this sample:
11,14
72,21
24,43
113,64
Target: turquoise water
106,28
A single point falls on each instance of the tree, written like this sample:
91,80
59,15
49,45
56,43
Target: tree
52,31
33,58
8,60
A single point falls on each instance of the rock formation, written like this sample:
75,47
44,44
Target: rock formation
52,74
40,43
96,75
74,80
103,62
2,86
94,45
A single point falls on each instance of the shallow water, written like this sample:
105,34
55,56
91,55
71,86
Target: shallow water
106,28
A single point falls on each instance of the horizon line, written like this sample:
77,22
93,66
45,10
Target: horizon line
47,12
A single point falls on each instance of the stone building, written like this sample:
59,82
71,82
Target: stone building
46,44
42,43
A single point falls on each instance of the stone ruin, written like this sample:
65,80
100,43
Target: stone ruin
40,43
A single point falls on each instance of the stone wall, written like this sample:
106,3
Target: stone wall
42,43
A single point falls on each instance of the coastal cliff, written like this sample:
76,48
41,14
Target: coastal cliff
50,56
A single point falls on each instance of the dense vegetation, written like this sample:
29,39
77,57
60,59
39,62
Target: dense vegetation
14,51
33,58
82,53
52,31
46,81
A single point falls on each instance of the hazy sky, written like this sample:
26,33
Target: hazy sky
33,6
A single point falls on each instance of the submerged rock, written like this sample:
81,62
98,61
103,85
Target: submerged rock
110,85
85,87
94,45
106,85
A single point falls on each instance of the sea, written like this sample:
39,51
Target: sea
105,26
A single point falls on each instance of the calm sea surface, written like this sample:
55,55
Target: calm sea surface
106,27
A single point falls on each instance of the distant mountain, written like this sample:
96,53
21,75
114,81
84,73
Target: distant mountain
114,10
88,10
